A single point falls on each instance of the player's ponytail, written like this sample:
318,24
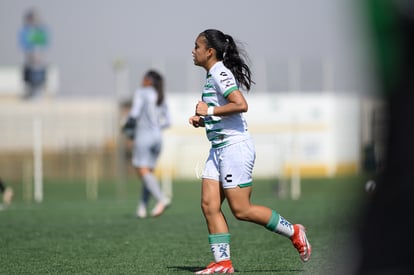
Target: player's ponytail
229,52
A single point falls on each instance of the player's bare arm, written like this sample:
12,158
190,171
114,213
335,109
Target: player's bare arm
236,104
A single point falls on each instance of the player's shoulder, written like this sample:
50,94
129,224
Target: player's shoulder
144,91
220,72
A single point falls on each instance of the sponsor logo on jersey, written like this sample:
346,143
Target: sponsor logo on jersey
226,79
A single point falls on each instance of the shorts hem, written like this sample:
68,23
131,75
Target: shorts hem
210,178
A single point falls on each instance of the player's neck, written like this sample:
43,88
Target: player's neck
210,63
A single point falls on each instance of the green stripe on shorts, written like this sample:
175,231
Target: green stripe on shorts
247,184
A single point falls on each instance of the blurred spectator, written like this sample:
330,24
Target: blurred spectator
33,40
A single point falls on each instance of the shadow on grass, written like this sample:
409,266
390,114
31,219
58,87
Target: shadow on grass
197,268
273,271
185,268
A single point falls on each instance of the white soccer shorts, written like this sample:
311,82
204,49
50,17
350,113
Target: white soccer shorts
232,165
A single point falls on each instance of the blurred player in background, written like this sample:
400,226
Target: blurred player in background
7,193
148,117
34,40
228,170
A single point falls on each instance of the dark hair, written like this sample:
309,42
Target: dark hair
228,52
158,83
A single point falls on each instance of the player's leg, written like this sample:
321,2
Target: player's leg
153,186
239,202
145,155
212,197
143,203
237,167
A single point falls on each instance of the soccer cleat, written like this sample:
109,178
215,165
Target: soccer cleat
141,211
158,209
223,267
301,243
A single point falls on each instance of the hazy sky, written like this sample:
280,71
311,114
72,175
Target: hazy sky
87,35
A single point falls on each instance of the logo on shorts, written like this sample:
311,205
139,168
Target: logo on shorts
228,178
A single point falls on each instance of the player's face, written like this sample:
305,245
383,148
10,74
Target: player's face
200,52
146,81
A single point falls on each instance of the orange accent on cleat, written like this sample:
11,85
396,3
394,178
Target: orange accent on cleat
158,209
223,267
301,243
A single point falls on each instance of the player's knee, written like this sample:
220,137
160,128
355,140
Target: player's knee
240,214
209,209
205,207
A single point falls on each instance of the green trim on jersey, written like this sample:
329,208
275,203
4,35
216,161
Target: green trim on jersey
274,220
219,238
218,145
218,136
222,130
215,130
229,91
211,121
247,184
208,94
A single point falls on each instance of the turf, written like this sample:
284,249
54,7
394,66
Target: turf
69,234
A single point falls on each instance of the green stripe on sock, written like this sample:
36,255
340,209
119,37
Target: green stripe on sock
274,220
219,238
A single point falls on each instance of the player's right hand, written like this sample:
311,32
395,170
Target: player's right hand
196,121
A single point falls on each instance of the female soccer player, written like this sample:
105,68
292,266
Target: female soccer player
228,170
147,118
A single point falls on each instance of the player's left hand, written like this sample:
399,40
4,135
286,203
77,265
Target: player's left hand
201,108
129,127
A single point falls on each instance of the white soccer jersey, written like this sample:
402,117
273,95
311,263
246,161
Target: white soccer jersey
150,117
151,120
223,130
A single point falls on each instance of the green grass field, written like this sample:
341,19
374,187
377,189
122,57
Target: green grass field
68,234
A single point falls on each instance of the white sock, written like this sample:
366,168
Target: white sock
153,186
220,246
221,251
284,227
280,225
